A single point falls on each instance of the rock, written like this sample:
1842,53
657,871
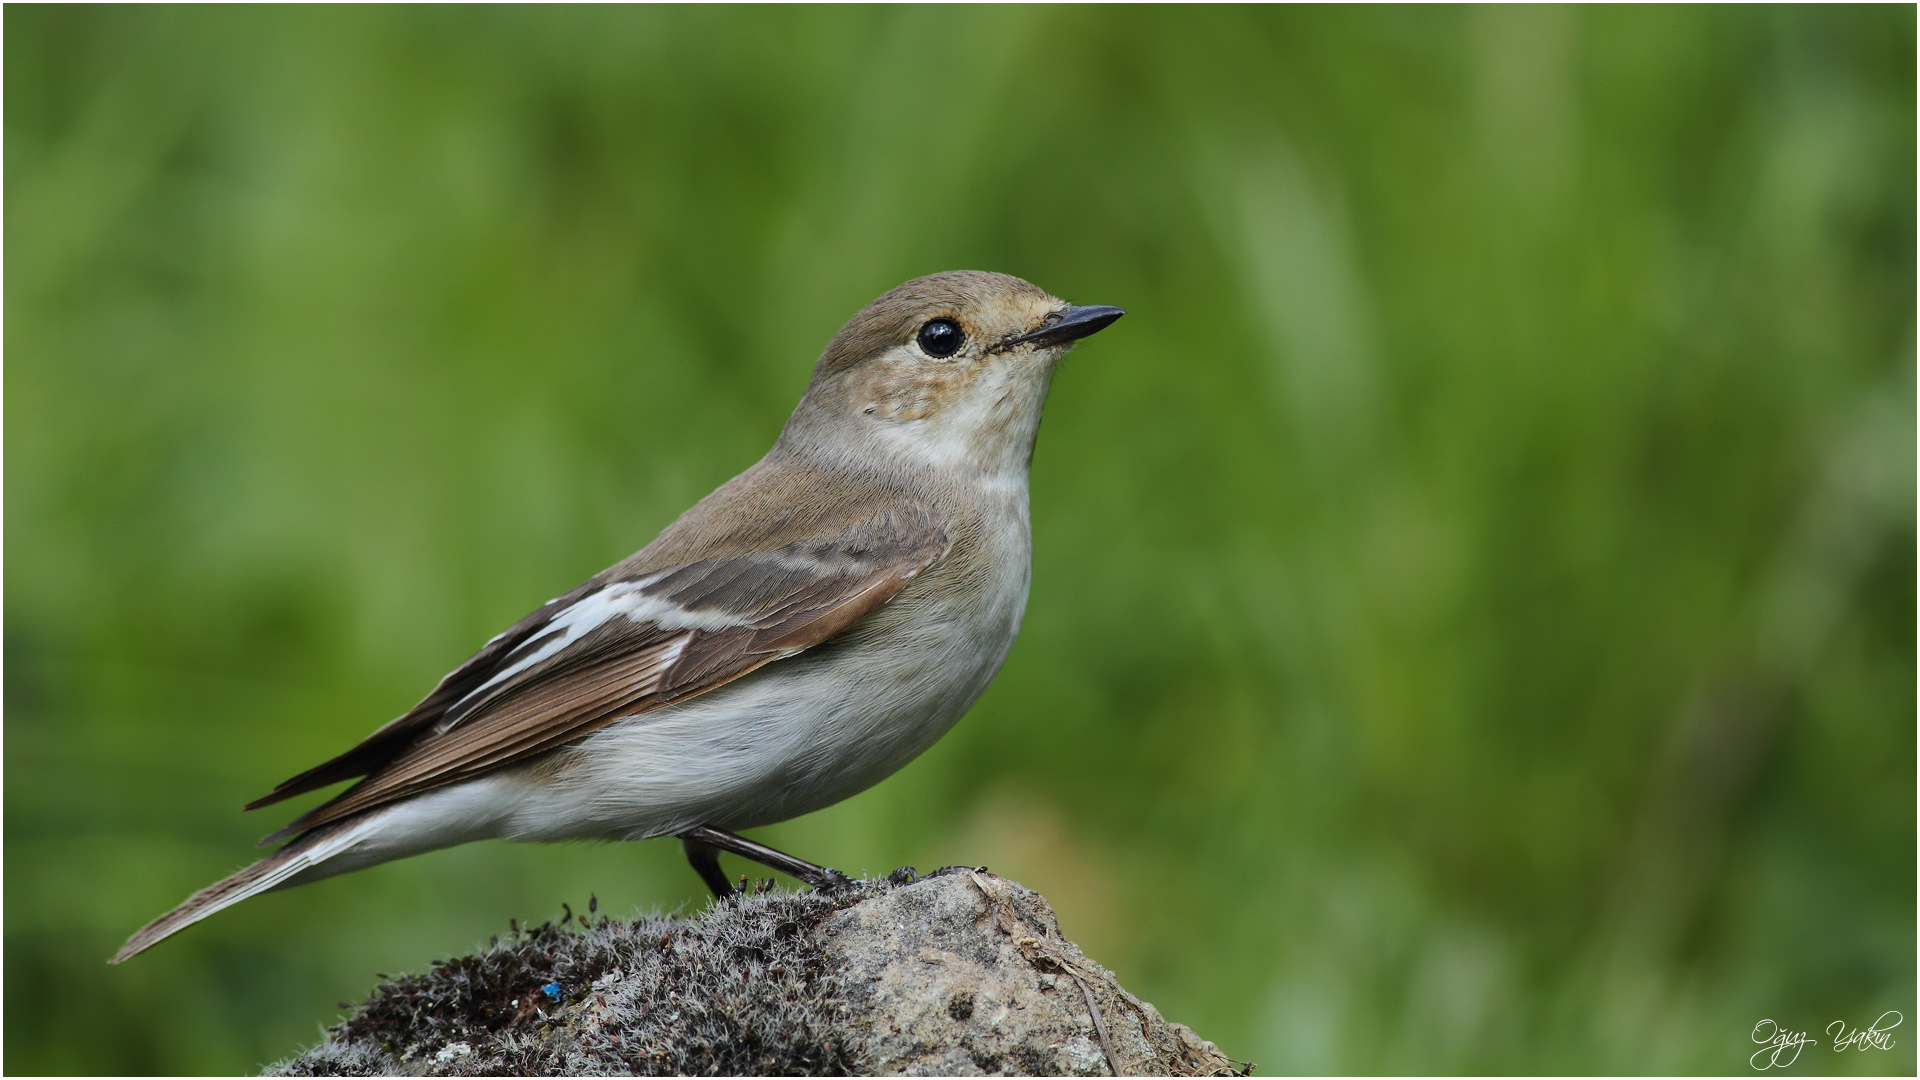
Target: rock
957,974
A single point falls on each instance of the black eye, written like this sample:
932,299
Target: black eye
941,337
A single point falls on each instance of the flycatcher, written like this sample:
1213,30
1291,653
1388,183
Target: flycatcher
793,639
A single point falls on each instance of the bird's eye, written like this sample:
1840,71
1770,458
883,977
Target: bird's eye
941,337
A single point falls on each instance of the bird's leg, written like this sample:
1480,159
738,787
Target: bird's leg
822,878
706,862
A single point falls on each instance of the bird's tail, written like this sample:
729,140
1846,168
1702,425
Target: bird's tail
269,873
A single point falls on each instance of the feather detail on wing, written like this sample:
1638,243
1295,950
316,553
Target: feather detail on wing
622,645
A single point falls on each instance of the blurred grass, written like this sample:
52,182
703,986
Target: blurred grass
1472,625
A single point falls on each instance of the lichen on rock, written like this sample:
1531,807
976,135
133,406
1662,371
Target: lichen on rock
959,973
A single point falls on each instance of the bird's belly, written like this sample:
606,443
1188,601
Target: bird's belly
796,736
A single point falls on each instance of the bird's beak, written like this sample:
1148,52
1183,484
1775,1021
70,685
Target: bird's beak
1070,324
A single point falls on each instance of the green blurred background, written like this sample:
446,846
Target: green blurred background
1473,612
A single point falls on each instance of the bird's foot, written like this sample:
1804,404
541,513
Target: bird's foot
829,880
945,870
701,840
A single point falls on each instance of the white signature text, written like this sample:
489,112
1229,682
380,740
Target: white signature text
1874,1037
1780,1047
1775,1041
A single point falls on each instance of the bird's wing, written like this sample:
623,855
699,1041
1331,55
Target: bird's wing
620,645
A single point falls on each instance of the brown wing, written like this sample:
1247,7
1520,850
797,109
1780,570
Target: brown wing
621,646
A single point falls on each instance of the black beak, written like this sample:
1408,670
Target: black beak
1070,325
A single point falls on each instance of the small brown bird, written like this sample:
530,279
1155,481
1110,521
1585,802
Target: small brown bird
796,637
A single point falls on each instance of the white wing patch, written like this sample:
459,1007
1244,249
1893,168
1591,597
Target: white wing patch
626,599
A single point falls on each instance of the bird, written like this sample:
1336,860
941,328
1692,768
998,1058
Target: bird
795,637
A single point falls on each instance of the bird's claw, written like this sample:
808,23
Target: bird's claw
831,881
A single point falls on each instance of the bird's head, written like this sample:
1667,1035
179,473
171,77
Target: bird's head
949,370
